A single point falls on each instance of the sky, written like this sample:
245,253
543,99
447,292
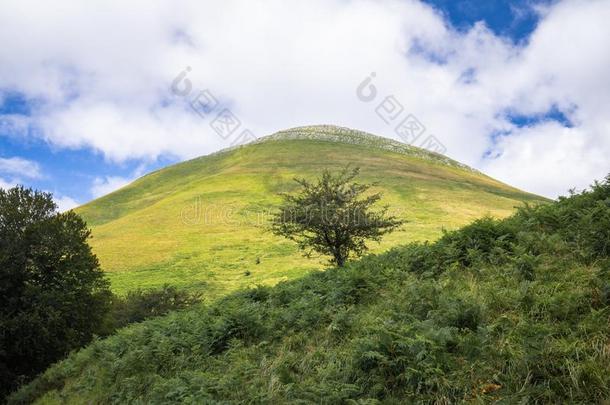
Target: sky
95,94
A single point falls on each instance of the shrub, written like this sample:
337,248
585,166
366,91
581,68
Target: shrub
479,241
139,305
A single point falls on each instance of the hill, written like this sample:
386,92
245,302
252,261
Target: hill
201,224
510,311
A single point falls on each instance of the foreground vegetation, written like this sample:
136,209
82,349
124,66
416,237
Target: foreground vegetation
201,224
54,297
513,311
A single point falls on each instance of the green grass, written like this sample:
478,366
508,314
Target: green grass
512,312
143,240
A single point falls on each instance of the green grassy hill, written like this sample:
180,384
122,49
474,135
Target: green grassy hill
512,312
201,224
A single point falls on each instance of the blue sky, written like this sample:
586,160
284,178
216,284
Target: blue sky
71,174
66,172
513,19
86,105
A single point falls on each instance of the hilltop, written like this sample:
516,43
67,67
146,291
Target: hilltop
201,224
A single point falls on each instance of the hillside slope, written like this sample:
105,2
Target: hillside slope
512,311
201,224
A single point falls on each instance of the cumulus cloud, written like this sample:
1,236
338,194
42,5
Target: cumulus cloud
561,157
20,167
14,169
5,184
106,185
65,203
100,77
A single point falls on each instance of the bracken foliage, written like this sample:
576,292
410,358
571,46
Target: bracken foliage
141,304
512,311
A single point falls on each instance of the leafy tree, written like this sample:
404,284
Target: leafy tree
53,295
333,216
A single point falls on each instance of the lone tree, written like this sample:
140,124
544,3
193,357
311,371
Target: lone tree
332,216
53,295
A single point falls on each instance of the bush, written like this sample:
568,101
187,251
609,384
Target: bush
581,220
139,305
482,240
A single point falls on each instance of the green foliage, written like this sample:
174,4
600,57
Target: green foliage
512,311
53,295
333,216
581,220
483,239
139,305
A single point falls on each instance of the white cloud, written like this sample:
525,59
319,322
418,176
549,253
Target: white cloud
104,76
21,167
548,158
65,203
106,185
14,124
14,169
6,184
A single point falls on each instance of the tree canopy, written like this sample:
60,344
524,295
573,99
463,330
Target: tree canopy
53,295
333,216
